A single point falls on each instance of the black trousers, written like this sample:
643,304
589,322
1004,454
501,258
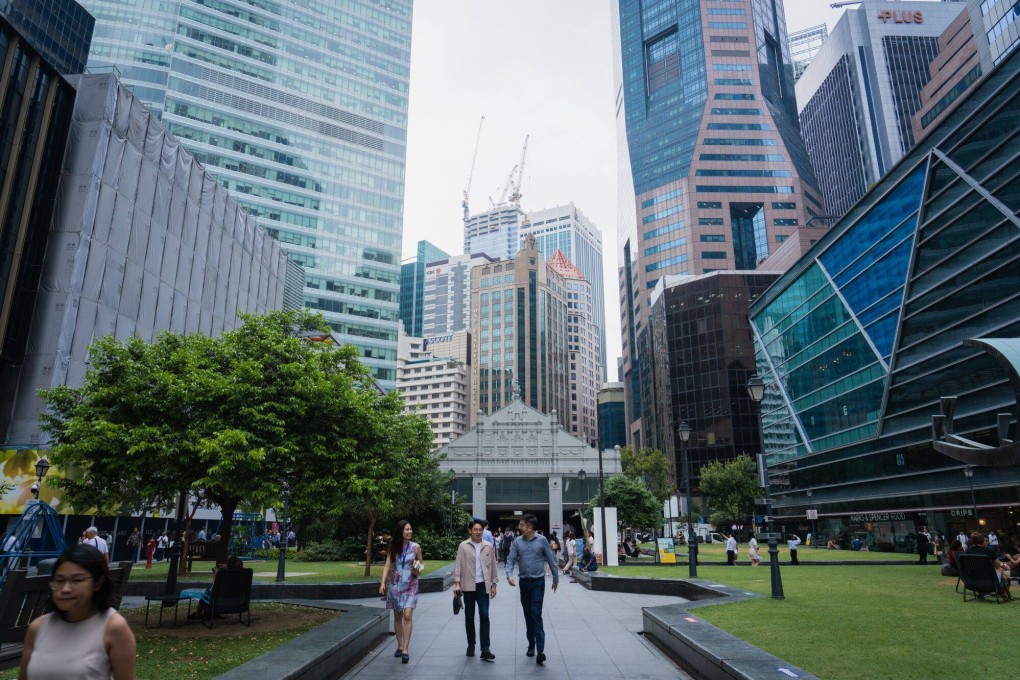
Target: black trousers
480,596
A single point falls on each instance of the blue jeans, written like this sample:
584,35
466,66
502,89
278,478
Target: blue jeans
481,596
532,597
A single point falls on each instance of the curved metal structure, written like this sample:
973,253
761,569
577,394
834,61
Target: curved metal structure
36,535
1007,352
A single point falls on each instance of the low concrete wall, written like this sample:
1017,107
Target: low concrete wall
327,651
689,590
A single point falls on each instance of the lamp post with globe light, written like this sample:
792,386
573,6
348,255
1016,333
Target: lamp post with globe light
42,466
684,430
756,390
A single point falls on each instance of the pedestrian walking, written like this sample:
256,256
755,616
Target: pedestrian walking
792,542
731,549
400,584
753,552
923,545
475,574
92,538
162,543
570,543
533,553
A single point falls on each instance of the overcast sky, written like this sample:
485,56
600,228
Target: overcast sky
531,67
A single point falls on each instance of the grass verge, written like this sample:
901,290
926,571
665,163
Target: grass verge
311,572
854,622
192,651
716,552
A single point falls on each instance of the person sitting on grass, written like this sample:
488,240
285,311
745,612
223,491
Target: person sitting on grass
621,554
588,561
204,597
832,545
950,568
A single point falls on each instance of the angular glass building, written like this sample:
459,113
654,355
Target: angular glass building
412,286
719,172
300,110
860,340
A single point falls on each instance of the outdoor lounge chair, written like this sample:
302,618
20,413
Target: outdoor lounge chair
230,594
977,573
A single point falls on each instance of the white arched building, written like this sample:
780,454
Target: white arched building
517,461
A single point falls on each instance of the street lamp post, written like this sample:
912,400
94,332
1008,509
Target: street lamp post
969,472
602,503
42,466
756,390
814,536
281,566
684,430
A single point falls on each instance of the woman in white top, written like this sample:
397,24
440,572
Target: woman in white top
753,552
84,637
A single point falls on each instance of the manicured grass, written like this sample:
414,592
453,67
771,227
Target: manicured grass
315,572
716,552
856,622
193,651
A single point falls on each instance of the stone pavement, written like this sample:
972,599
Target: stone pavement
589,636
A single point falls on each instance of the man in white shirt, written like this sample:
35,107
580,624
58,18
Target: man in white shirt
962,538
201,534
731,549
486,534
92,538
475,574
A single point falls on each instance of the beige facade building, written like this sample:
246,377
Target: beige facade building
519,332
433,378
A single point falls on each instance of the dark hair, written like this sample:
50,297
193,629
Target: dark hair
397,544
478,522
530,520
91,560
571,535
235,563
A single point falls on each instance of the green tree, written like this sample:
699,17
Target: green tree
635,505
652,467
224,420
730,488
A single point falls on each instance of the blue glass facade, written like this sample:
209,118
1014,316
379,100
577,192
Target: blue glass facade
412,287
861,338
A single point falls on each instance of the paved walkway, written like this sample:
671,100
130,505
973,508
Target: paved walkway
589,636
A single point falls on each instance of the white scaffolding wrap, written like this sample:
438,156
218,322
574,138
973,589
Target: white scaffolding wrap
142,240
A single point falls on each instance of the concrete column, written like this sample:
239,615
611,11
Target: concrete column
478,483
555,505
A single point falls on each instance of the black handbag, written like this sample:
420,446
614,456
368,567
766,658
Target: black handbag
458,603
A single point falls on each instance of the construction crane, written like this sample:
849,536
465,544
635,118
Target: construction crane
503,188
515,197
471,174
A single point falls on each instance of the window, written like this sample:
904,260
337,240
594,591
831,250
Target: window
785,222
731,67
662,59
713,254
713,238
664,230
743,173
728,24
707,205
722,189
734,81
749,96
710,222
780,238
727,141
736,112
669,245
648,203
760,157
784,206
739,126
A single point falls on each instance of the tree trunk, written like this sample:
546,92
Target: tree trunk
368,545
227,507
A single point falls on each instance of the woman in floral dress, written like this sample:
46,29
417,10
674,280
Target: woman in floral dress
400,583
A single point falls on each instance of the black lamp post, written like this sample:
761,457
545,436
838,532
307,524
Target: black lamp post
969,472
684,430
602,503
756,390
814,536
281,566
42,466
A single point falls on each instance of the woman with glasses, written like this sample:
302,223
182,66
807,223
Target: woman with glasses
84,637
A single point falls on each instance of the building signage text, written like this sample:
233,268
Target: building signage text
879,517
901,16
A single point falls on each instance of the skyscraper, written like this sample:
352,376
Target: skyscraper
300,110
583,349
494,232
412,286
566,228
706,89
864,86
518,331
447,299
804,45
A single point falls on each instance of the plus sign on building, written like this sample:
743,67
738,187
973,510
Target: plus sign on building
518,461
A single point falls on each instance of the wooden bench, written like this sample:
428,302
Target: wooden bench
24,598
201,551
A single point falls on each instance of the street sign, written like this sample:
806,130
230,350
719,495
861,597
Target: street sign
812,514
759,501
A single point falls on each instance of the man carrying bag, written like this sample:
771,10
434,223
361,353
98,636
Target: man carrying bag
475,574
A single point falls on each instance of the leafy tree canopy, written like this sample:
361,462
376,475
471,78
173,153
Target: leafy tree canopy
651,467
730,488
635,505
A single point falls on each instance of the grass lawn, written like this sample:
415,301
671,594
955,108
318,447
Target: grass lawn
716,552
856,622
314,572
193,651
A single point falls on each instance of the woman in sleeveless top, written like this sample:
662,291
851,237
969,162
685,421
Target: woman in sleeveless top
400,584
84,637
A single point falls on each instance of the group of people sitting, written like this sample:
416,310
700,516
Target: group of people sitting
978,544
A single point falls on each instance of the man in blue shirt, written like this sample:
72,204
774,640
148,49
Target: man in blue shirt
533,552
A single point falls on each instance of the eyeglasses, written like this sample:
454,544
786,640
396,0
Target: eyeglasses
59,583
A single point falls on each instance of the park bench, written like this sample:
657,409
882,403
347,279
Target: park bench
230,594
24,598
977,573
201,551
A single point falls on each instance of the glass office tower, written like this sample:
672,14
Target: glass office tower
860,340
300,110
412,286
719,171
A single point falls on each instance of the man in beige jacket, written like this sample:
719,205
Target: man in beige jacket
475,574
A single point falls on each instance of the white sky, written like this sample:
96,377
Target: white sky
538,67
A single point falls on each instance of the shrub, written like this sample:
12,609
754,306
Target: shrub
437,546
328,550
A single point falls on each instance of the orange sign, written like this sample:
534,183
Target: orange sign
901,16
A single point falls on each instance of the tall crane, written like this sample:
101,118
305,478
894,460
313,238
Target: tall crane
471,173
515,196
